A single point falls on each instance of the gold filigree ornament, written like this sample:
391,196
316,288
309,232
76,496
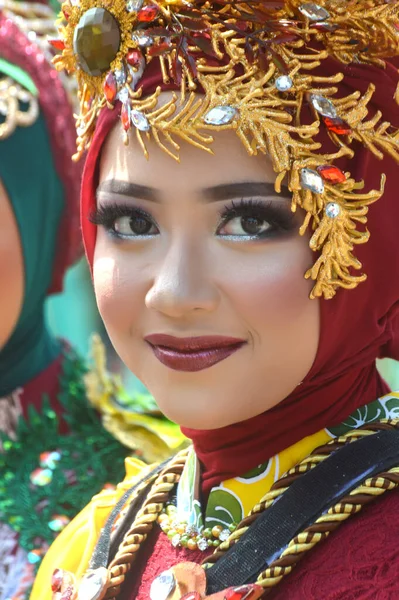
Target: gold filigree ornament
18,107
257,66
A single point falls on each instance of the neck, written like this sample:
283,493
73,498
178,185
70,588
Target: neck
234,450
29,351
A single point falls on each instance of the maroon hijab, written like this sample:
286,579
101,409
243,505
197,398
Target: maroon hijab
357,326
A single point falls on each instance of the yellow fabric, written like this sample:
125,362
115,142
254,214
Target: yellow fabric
73,548
250,491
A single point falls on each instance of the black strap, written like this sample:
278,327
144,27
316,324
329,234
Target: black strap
300,506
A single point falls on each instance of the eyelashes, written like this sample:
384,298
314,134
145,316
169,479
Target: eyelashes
278,215
247,219
105,215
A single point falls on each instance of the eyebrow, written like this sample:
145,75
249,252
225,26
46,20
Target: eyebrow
246,188
211,194
126,188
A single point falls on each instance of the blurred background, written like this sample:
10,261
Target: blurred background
73,315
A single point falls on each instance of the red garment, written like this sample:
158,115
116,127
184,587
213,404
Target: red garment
360,561
357,326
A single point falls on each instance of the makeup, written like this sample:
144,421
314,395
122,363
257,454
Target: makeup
194,353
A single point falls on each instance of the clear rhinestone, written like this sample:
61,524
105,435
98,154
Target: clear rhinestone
202,544
284,83
191,530
314,12
134,5
224,535
140,121
176,540
312,181
92,585
120,76
162,586
220,115
323,105
123,95
332,210
136,75
142,40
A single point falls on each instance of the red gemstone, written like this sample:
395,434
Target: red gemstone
331,174
125,117
159,49
56,580
134,58
147,14
191,596
66,14
110,87
244,591
337,125
57,44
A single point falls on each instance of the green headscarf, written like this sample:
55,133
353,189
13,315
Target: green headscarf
36,194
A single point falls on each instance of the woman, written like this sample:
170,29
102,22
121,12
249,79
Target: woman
46,478
198,272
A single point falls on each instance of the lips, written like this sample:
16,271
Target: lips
194,353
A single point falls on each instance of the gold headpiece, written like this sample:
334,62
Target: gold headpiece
257,63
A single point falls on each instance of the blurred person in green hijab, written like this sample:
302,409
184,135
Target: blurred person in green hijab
51,437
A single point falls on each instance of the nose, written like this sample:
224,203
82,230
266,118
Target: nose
182,283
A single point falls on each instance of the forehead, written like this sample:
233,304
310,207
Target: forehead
228,163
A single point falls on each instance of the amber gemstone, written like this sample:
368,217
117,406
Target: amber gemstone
110,87
147,14
331,174
57,44
96,41
56,580
337,125
134,58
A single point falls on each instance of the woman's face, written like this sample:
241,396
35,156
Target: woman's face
199,277
11,270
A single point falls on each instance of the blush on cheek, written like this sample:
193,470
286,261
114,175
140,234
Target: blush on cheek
118,293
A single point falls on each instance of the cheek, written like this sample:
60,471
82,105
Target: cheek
11,270
119,289
270,293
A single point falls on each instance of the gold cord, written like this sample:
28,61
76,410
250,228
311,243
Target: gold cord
305,541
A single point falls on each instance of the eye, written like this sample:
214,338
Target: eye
124,221
135,225
255,219
245,226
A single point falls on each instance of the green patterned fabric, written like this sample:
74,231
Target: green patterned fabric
35,192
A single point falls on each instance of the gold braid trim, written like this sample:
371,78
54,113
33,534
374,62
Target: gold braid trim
326,524
296,549
143,523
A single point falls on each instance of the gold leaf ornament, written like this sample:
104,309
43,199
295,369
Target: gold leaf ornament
134,421
255,65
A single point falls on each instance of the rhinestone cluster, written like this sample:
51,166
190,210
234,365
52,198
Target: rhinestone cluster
188,536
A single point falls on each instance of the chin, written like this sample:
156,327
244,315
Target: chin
193,413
